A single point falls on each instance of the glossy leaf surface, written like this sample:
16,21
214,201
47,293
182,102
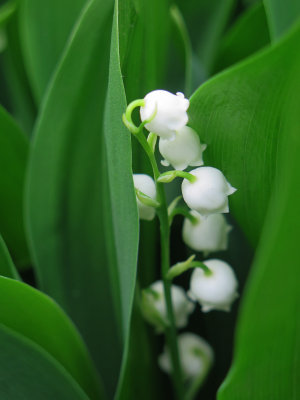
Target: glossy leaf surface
239,114
266,361
35,316
65,178
28,372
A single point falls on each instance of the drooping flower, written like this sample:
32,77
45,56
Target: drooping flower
216,290
207,234
184,150
209,193
154,307
145,184
170,112
195,353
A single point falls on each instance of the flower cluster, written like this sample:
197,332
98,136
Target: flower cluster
205,191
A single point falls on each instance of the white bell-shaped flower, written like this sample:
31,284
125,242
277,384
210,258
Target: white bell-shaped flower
184,150
170,112
146,185
154,307
208,194
216,290
208,234
195,353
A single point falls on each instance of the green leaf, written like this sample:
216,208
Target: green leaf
141,378
206,21
183,46
249,34
6,11
124,217
35,316
7,267
67,196
17,85
142,70
44,33
28,372
13,161
281,16
239,114
143,31
267,353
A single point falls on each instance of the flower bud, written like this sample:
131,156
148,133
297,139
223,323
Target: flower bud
208,234
170,112
184,150
195,353
208,194
146,185
154,307
216,290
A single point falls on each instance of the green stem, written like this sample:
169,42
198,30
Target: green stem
184,266
184,212
162,212
169,176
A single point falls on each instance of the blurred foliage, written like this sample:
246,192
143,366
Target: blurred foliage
67,72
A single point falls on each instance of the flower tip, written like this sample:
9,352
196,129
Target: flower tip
165,163
231,190
206,308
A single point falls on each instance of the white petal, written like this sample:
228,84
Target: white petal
185,149
216,291
208,194
195,353
208,234
145,184
170,114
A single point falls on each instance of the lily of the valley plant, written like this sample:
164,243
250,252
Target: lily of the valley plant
205,190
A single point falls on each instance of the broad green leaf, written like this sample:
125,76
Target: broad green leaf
67,196
44,33
19,95
7,267
144,30
142,69
124,217
13,161
38,318
29,372
249,34
141,378
267,355
239,114
281,16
